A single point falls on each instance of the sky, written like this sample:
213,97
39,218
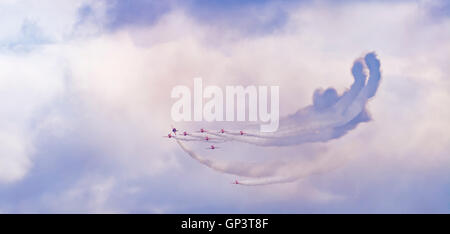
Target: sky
85,100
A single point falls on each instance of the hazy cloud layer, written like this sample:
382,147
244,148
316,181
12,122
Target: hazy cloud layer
85,100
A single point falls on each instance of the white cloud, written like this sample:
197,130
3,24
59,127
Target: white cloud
27,84
123,81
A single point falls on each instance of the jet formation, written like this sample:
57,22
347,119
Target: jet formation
203,135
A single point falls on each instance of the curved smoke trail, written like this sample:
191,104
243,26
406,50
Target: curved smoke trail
328,118
234,168
272,172
331,116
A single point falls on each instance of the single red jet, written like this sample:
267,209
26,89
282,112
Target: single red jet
169,136
212,147
174,130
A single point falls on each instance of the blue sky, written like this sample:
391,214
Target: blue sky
85,96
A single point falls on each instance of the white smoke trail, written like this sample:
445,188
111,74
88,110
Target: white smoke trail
297,170
235,168
328,118
272,172
203,138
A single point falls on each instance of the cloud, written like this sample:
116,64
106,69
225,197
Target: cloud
28,83
92,102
